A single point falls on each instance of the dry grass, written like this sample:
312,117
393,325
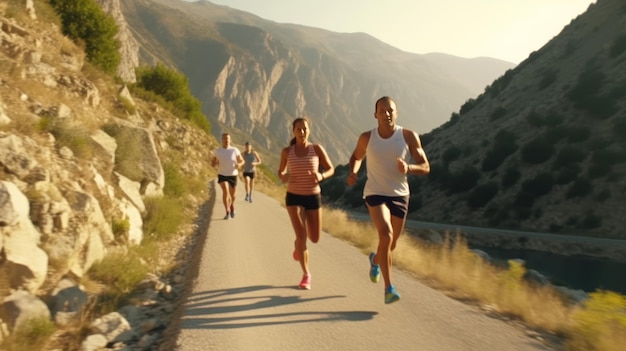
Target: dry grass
598,324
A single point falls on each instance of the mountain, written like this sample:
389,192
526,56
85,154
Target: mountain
254,76
543,148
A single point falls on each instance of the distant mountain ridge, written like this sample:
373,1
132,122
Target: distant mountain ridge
542,149
255,76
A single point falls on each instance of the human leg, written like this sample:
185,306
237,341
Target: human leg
381,218
225,196
298,222
248,182
232,193
251,188
313,224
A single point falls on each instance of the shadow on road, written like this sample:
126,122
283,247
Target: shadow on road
202,306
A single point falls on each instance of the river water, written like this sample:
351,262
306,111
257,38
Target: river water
575,272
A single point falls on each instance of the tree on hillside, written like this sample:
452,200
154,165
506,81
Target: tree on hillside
86,23
173,87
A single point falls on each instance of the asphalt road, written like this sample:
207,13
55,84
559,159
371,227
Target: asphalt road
246,297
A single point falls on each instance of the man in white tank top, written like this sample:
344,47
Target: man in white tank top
386,190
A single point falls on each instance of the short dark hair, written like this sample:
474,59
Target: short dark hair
384,98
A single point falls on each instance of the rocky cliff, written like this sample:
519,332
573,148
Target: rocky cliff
79,158
255,76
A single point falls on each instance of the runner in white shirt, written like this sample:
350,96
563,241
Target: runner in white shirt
228,160
386,190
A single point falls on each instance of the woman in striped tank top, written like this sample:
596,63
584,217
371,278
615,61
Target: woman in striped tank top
303,165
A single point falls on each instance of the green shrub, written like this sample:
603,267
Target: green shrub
173,87
175,185
84,21
31,334
464,180
568,156
467,106
162,218
69,135
567,174
451,153
576,134
600,324
580,188
549,76
591,221
503,147
537,151
120,270
510,177
618,46
482,194
498,113
539,185
120,228
500,84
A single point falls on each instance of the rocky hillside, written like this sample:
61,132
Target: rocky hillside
255,76
543,148
80,161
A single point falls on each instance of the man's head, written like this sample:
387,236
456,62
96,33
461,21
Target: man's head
225,140
385,111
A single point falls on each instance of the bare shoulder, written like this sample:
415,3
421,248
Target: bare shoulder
410,137
365,136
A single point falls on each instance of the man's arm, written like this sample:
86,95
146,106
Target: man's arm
421,165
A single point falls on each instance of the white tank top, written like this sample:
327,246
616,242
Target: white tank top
383,176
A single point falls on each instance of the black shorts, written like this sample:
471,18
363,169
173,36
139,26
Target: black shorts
398,205
248,174
232,180
309,202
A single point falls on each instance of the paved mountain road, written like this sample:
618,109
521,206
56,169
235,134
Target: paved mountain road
246,297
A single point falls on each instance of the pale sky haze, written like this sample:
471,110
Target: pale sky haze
505,29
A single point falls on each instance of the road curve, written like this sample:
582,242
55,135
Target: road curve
246,297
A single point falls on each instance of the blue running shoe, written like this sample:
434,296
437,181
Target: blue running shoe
391,295
374,269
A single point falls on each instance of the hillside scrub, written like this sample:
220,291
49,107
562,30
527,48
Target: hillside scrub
173,88
597,324
85,22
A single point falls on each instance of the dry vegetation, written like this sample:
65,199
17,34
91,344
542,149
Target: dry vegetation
598,324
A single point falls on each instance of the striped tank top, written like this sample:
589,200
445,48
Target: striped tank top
301,172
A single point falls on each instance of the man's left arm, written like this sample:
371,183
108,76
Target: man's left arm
421,165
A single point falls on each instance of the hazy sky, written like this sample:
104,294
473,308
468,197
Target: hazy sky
506,29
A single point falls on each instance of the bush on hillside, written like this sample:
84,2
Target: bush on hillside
580,188
498,113
503,147
482,194
540,185
510,177
549,76
174,88
618,46
537,151
568,156
567,174
86,23
587,93
464,180
452,153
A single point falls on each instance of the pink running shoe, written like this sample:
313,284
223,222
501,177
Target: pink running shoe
305,283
